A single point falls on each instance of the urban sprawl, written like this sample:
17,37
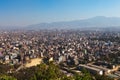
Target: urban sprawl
96,51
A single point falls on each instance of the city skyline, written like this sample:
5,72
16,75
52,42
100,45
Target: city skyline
27,12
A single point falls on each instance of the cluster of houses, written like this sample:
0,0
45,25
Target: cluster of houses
72,47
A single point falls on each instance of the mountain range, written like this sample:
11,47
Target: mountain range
95,22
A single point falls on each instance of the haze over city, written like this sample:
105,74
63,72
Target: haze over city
28,12
59,39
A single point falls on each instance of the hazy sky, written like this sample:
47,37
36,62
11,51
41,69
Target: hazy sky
25,12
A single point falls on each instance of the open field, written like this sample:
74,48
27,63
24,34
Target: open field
33,62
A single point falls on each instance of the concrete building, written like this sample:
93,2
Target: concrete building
106,70
91,69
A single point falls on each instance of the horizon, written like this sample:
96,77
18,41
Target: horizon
97,17
28,12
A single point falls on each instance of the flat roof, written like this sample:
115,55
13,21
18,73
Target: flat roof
86,66
99,67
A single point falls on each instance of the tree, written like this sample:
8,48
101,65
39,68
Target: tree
86,75
77,77
4,77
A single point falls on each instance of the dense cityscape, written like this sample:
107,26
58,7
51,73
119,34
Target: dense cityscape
71,50
59,39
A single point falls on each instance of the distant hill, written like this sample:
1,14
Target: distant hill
95,22
111,23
